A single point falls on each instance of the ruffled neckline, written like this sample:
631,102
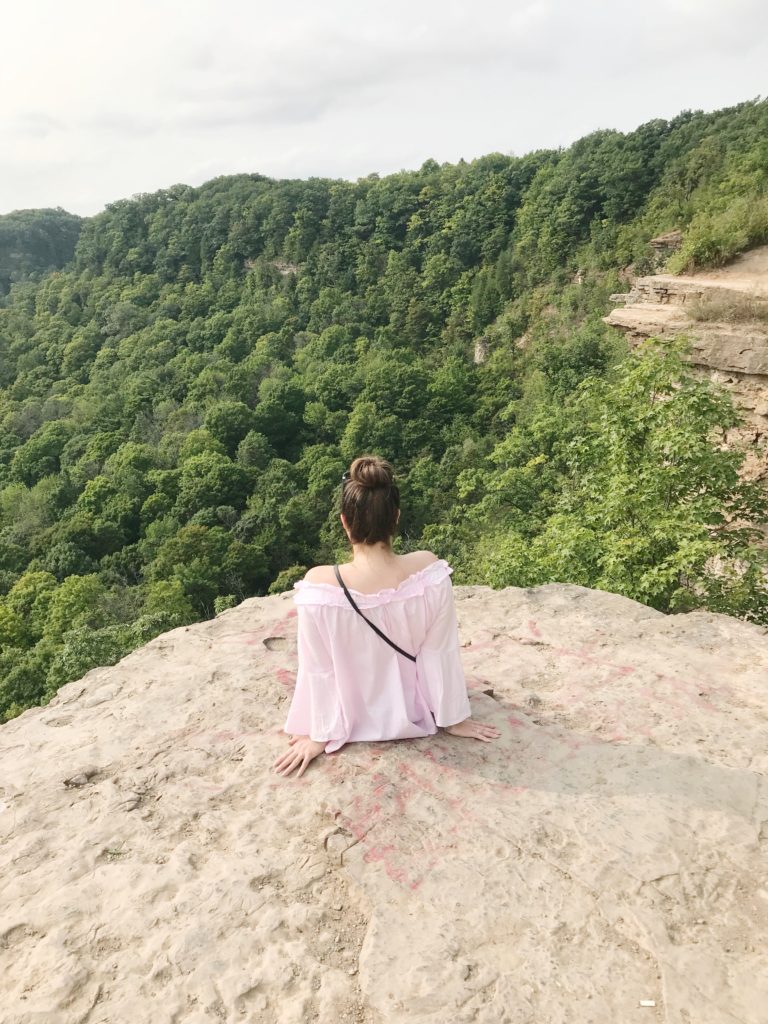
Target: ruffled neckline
308,592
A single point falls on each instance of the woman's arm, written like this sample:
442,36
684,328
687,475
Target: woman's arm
314,717
441,673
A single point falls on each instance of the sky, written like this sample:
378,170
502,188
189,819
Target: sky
103,99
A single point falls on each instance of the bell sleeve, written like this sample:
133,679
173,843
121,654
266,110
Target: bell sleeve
438,662
315,709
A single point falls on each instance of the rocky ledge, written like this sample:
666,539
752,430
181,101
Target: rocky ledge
732,353
603,861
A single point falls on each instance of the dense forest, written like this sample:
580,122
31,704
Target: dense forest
35,241
185,376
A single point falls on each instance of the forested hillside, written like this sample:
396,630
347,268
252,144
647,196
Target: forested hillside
178,403
35,241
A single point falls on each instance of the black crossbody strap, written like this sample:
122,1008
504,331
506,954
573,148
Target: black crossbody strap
371,624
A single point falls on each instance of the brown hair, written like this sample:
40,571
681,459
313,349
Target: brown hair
370,499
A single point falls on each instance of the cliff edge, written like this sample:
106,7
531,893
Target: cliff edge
724,312
608,851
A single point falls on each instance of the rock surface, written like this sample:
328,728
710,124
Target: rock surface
608,849
732,354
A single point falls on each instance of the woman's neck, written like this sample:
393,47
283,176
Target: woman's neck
373,555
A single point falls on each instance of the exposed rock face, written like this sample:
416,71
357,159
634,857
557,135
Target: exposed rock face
481,350
733,354
664,245
281,266
284,267
609,848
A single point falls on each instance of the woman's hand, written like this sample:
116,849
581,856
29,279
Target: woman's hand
474,730
303,750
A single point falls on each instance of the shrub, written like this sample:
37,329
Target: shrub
285,579
738,307
715,237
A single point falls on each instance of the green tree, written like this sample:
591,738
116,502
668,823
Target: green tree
39,457
208,480
78,602
229,422
652,504
195,557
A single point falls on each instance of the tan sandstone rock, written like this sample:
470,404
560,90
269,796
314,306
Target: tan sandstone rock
608,849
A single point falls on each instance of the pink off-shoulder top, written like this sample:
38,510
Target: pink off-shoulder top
351,685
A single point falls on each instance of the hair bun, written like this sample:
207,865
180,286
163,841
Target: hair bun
371,471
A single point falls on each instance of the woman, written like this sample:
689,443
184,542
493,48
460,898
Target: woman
352,684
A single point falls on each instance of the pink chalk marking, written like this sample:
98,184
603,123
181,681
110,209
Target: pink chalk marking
484,645
377,852
359,820
249,639
285,678
401,797
515,722
383,855
616,671
686,689
252,638
444,769
703,702
455,803
372,817
280,623
476,683
592,659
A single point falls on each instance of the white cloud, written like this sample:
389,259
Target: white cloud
102,100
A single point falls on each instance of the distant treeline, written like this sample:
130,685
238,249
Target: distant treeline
33,242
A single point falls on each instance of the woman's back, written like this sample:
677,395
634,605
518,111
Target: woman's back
370,579
352,685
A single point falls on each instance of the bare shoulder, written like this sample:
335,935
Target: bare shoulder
420,559
321,574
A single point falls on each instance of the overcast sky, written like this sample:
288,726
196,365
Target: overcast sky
102,99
